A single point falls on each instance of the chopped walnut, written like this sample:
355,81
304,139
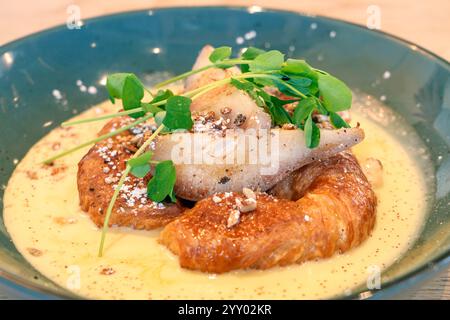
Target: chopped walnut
246,205
137,140
210,116
233,218
249,193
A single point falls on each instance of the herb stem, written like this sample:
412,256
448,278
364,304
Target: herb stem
287,85
209,66
183,75
110,207
106,116
119,186
100,138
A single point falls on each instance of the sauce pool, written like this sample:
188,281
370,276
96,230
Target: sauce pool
43,217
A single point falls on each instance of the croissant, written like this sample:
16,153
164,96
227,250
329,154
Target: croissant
331,210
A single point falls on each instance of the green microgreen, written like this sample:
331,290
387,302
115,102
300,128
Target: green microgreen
335,94
312,133
219,54
128,87
161,184
121,182
178,114
268,61
303,109
140,166
337,121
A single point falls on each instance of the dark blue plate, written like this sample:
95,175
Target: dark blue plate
39,74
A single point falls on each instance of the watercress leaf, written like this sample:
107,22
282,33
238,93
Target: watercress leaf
161,184
140,165
320,107
220,54
132,94
312,133
296,66
264,95
114,85
287,91
279,115
178,114
148,107
172,196
303,110
267,61
242,85
336,96
162,95
140,171
250,54
141,160
337,121
263,82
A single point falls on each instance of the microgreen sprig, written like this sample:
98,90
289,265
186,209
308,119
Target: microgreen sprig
124,175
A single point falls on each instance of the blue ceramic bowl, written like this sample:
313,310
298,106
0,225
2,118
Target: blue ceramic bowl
38,76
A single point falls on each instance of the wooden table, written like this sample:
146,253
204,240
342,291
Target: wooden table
423,22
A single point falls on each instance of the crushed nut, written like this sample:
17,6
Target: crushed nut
217,199
106,170
233,218
137,140
246,205
249,193
211,115
373,169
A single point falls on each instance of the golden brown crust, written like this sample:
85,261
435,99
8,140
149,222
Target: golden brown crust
98,173
335,213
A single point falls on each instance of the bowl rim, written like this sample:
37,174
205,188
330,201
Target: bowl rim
389,288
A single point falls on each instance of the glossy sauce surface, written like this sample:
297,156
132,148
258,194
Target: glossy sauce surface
47,226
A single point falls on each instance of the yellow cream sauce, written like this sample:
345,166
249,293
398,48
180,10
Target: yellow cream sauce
49,229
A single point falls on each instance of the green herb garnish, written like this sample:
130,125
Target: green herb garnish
140,166
161,184
313,91
178,114
219,54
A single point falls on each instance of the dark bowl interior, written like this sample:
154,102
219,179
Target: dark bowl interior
38,84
